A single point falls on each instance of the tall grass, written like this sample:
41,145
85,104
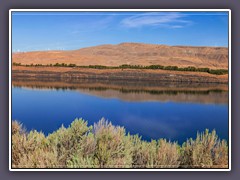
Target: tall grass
104,145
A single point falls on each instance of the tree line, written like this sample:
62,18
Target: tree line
127,66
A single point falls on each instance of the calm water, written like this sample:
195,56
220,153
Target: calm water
175,116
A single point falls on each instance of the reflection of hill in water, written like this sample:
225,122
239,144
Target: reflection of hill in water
139,91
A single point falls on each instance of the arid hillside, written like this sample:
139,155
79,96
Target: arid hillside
131,54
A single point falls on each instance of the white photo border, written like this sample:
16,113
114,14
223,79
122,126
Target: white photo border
118,10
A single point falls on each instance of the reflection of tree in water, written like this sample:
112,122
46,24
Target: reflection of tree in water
172,92
130,90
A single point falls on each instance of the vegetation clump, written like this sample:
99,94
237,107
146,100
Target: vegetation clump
104,145
127,66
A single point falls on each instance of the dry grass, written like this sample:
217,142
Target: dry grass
106,146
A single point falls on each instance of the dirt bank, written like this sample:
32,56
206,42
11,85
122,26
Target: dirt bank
68,73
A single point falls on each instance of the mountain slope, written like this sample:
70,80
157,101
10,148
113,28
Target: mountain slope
132,54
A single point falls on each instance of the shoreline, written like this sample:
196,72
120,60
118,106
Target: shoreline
76,73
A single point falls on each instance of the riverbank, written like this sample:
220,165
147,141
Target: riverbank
73,73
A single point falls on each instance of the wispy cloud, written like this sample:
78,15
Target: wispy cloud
92,26
168,20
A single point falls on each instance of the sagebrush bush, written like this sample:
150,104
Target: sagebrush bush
167,155
18,141
69,142
104,145
30,150
206,151
220,154
140,152
111,149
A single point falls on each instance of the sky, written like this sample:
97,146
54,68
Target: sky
38,31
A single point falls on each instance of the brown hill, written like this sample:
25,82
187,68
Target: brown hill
132,54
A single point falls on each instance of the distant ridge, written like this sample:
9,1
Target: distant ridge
132,54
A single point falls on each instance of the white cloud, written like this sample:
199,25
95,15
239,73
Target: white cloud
168,20
92,26
177,26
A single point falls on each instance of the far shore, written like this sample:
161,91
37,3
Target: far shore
155,75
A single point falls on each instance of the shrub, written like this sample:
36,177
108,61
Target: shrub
218,71
68,142
167,155
204,152
97,66
171,68
107,146
72,65
203,69
154,67
220,158
39,158
18,140
57,64
30,150
16,64
127,66
17,128
112,149
140,155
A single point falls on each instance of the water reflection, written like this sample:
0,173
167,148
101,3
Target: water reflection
171,111
139,91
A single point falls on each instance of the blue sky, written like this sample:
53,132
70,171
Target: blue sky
33,31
